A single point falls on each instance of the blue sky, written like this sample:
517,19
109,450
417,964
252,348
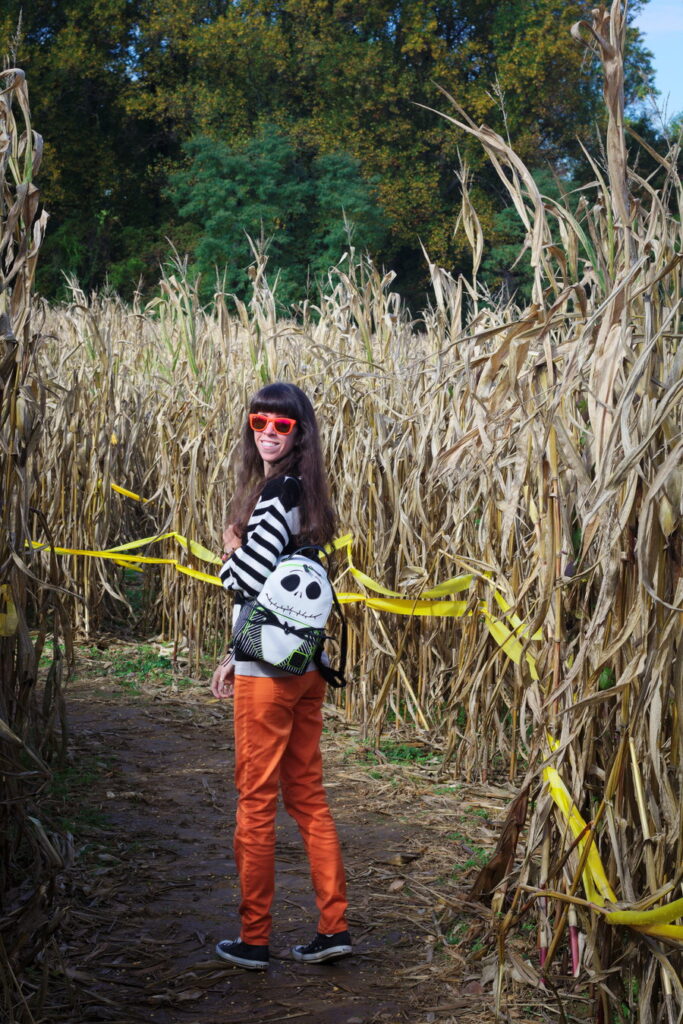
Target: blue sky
661,22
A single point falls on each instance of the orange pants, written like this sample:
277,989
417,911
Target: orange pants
278,723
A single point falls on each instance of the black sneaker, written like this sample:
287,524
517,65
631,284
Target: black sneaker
324,947
254,958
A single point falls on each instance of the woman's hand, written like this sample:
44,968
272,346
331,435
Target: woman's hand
231,541
223,679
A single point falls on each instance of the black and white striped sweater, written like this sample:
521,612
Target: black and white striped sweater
269,534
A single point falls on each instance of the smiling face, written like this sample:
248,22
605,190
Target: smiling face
272,446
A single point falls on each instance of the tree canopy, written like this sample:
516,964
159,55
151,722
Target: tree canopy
133,96
308,210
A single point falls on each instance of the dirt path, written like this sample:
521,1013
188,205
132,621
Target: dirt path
153,886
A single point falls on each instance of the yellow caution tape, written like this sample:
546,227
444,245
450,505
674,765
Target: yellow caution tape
430,602
425,605
598,889
656,922
508,641
128,565
648,918
197,574
520,627
451,586
197,549
338,543
406,606
663,931
127,493
111,555
134,561
9,619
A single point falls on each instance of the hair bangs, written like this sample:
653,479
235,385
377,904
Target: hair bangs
304,461
276,399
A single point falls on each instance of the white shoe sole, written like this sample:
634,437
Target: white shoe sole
333,953
251,965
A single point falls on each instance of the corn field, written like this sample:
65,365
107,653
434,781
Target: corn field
535,449
32,725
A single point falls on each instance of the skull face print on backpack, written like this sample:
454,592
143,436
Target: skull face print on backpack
285,625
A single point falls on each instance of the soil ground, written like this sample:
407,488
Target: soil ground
148,795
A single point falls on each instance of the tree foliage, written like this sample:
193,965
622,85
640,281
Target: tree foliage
95,176
120,86
308,209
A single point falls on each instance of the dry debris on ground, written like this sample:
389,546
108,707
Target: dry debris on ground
148,795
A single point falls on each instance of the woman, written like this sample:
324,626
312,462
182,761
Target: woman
282,502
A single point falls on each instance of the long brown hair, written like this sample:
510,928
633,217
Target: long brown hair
305,461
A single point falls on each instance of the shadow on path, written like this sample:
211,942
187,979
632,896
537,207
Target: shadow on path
160,889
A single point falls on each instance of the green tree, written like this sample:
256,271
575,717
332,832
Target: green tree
500,266
345,212
305,208
120,85
338,74
98,176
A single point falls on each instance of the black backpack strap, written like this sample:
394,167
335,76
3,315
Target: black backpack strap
319,553
335,677
332,676
261,616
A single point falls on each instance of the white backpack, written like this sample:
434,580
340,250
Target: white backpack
285,625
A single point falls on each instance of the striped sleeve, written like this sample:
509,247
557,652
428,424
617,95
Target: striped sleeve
273,523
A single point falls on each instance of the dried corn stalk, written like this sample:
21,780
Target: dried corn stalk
538,448
27,728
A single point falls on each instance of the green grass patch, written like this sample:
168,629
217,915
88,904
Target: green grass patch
66,798
401,753
47,657
133,665
457,933
477,859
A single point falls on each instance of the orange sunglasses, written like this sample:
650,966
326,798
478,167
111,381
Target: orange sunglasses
258,421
